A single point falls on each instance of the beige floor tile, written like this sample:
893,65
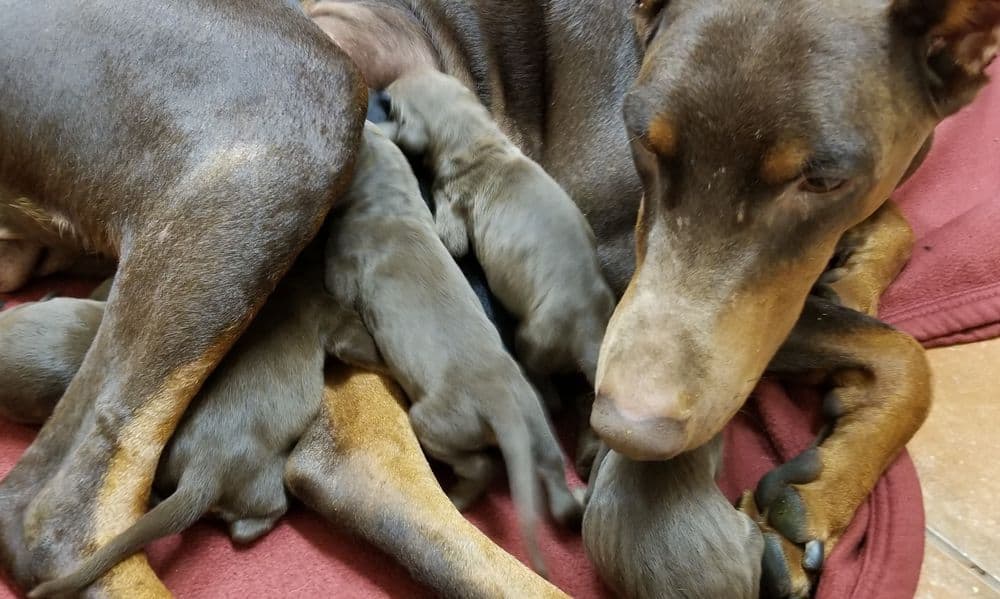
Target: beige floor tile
957,451
945,578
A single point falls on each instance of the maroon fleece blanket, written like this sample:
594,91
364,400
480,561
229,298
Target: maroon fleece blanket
949,293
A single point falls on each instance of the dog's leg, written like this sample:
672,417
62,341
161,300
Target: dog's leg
450,224
360,466
879,397
872,254
182,296
472,469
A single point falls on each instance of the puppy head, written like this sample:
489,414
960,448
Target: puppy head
656,528
434,111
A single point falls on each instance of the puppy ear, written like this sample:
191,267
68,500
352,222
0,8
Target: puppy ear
957,40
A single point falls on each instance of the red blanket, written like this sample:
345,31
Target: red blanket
949,293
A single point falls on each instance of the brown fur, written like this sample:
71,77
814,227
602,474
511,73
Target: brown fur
363,447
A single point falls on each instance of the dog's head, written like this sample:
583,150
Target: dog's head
761,131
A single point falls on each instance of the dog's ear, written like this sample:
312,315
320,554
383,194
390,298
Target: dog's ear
957,40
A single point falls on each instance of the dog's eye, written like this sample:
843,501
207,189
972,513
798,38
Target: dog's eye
821,184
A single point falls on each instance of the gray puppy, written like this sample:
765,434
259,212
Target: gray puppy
385,261
42,345
664,530
228,454
534,244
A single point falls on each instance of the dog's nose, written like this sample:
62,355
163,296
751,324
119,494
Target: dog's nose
647,438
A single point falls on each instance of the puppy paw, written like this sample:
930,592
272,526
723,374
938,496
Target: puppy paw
248,530
587,447
567,508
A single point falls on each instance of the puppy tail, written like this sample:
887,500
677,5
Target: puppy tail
514,440
171,516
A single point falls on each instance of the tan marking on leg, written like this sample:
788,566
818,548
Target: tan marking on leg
881,412
370,446
877,249
124,491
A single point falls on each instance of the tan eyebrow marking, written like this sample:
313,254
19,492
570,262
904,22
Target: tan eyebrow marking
784,161
662,135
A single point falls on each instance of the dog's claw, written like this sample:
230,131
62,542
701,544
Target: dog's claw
812,561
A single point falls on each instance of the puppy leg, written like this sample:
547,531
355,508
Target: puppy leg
587,441
360,466
880,396
450,224
349,340
872,253
473,470
566,506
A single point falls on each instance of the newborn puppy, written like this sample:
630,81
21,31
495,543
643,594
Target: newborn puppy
41,347
533,242
229,453
664,530
385,261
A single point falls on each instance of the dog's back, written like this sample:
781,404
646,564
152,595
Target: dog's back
664,530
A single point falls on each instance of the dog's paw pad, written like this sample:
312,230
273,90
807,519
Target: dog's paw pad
802,469
789,516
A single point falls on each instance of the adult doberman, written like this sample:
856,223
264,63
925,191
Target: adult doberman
766,137
201,143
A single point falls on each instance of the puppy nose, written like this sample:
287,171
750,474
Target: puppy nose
644,438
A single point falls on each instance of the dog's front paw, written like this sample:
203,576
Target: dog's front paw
784,572
852,288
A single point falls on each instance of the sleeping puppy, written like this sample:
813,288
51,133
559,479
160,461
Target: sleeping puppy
385,261
670,518
229,453
533,242
42,345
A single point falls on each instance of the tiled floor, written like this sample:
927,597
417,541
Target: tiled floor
957,454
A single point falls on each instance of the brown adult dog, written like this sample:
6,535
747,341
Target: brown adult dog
834,102
167,137
765,137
